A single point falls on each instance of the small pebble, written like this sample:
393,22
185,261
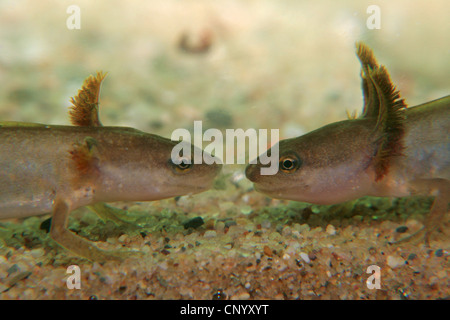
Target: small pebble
286,231
246,210
439,253
304,228
165,252
242,296
123,238
230,223
331,230
292,248
20,276
193,223
395,261
401,229
267,251
37,253
210,234
305,257
220,226
210,224
266,224
412,256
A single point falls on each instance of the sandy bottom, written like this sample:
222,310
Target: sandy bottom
200,247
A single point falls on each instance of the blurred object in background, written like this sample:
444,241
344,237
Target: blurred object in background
202,45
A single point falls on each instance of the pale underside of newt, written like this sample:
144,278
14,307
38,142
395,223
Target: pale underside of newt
56,169
389,151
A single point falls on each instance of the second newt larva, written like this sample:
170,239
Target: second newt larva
56,169
389,151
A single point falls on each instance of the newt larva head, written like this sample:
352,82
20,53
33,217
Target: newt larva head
347,159
326,166
127,164
141,167
194,170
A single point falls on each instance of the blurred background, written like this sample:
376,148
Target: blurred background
233,64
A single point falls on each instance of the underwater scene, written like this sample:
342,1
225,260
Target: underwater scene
224,150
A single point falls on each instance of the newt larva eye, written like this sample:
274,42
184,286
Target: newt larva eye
182,165
289,164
